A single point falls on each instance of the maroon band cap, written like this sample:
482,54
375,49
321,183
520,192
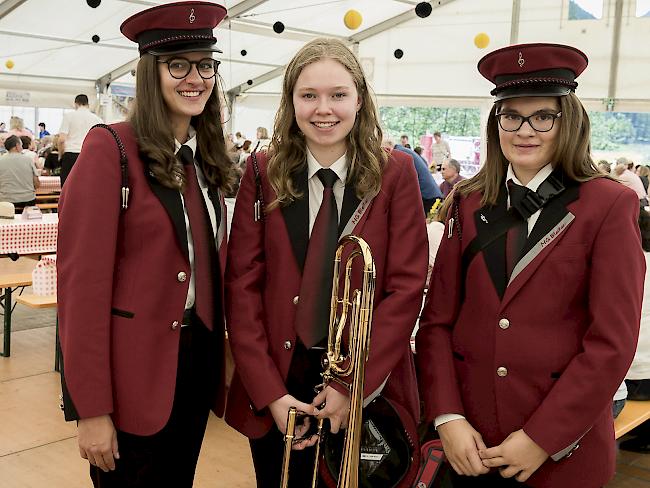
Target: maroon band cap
533,70
175,28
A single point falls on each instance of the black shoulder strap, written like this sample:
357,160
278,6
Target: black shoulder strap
549,189
124,162
258,206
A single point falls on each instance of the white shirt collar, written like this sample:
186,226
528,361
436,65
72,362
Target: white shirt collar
537,180
191,142
340,166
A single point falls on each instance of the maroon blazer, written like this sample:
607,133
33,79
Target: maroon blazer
548,356
263,281
123,277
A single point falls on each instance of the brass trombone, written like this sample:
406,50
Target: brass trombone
358,306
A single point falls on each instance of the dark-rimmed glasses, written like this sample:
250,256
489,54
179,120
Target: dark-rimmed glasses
540,121
180,67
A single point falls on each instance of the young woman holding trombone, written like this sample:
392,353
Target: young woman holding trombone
326,175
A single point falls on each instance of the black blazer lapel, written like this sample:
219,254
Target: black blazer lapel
349,205
171,201
296,217
495,253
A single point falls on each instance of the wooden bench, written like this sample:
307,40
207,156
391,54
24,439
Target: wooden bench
44,301
633,414
13,275
48,206
47,197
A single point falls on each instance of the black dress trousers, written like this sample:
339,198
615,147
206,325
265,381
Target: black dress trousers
169,457
268,451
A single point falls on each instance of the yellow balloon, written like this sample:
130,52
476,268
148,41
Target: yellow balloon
9,64
352,19
481,40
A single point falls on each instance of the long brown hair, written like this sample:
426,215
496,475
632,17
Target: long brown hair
288,146
150,121
572,153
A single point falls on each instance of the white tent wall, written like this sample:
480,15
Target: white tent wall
252,112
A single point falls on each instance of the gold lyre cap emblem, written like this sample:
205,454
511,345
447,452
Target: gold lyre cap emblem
521,60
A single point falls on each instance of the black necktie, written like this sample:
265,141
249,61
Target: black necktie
202,239
313,313
517,234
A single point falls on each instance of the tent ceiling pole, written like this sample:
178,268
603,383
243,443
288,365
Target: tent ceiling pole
352,40
8,6
514,22
616,44
243,7
60,39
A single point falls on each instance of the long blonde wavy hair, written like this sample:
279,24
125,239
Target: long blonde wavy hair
150,122
288,146
572,153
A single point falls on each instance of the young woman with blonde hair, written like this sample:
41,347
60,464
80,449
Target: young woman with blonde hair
325,176
524,337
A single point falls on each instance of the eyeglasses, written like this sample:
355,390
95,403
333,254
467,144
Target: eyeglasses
540,122
179,68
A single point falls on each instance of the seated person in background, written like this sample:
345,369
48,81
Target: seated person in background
629,179
29,149
18,179
644,173
428,188
52,157
604,166
451,174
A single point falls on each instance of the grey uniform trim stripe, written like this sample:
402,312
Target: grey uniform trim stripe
566,452
356,216
541,244
375,393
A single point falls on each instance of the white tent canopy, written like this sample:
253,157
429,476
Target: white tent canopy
54,57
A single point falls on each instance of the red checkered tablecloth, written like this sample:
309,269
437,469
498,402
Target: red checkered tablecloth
44,276
49,184
29,236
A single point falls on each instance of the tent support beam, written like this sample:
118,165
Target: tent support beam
613,66
514,22
8,6
61,39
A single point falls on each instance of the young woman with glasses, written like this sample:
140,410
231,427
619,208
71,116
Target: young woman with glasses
534,305
139,271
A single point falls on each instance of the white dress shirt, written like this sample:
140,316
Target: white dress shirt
191,143
340,167
533,184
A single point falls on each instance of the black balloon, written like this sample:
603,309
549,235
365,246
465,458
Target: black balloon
278,27
93,3
423,9
249,82
244,52
95,38
398,53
